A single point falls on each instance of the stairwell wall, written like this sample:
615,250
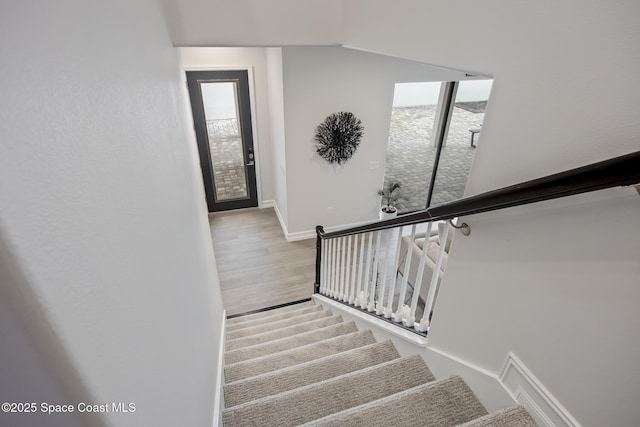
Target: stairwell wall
102,212
555,282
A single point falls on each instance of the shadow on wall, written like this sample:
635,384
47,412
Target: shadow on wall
35,365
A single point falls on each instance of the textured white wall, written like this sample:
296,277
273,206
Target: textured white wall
207,57
557,283
319,81
102,206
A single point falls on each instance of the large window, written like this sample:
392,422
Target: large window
430,148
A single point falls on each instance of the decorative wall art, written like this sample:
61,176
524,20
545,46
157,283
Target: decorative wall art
338,136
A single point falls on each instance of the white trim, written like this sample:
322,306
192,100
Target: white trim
308,234
267,204
528,403
374,321
218,401
283,226
465,363
528,391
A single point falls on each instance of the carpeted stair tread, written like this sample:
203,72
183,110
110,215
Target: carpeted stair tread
277,324
311,372
287,343
268,313
510,417
443,403
324,398
289,331
294,356
242,323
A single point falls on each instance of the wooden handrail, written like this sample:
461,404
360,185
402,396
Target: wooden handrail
615,172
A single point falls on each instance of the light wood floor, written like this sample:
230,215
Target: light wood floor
258,268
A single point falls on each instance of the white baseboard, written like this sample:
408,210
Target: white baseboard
283,226
305,234
267,204
310,234
484,383
218,397
529,392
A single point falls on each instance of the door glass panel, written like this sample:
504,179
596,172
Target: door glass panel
411,149
220,102
462,138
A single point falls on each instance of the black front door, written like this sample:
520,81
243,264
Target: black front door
222,121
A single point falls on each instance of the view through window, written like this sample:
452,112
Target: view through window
412,150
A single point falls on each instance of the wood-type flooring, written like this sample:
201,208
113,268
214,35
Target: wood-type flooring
257,267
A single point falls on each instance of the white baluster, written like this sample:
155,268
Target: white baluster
344,286
433,286
416,286
388,311
339,283
354,265
323,268
385,268
327,286
361,289
347,271
374,274
334,267
398,316
367,271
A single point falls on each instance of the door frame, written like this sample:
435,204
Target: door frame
252,105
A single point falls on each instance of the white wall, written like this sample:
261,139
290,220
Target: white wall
276,116
319,81
254,22
34,368
556,283
241,58
102,209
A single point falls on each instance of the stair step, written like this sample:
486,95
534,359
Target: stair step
295,356
268,313
443,403
510,417
288,343
321,399
307,373
289,331
249,322
276,324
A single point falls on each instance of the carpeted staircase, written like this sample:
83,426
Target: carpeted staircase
302,365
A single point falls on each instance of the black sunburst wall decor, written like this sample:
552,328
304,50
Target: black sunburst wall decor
338,136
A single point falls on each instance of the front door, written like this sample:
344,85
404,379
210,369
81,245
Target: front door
222,121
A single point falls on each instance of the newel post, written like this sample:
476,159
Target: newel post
319,232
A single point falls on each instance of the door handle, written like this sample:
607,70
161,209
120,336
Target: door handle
251,162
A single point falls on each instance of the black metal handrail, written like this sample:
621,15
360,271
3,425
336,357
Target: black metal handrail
616,172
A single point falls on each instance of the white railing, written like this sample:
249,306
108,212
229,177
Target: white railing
383,272
393,273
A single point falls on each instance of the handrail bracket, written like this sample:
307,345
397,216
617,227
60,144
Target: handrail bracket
464,228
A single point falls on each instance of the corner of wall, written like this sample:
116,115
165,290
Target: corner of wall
218,398
527,390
